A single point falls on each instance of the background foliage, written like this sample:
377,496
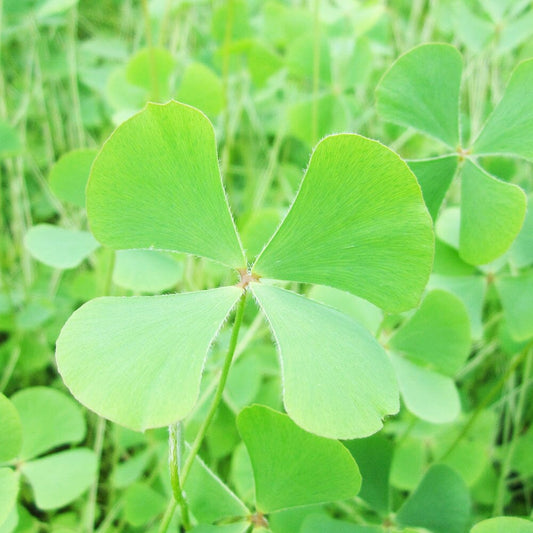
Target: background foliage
274,78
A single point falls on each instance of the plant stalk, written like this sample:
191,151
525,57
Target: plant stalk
195,447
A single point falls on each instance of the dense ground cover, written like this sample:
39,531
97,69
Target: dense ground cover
369,359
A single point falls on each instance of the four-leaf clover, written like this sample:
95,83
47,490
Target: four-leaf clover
358,223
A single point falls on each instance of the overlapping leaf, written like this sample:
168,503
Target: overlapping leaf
509,129
435,343
293,467
492,213
441,503
421,90
11,434
59,247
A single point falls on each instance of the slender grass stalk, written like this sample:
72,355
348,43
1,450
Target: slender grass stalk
73,76
316,71
153,63
487,399
226,151
90,509
516,426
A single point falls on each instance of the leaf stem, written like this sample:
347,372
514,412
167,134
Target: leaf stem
195,446
175,445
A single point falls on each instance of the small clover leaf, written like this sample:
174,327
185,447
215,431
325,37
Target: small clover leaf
291,466
434,343
422,90
358,223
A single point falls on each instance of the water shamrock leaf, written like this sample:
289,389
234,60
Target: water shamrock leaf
422,90
156,185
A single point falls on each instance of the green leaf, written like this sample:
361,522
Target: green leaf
129,471
146,270
509,129
434,177
60,478
492,213
509,524
360,310
138,361
209,498
357,217
142,504
156,184
521,252
293,467
59,247
9,140
9,487
408,463
69,175
262,63
256,227
374,457
516,294
11,434
441,503
470,290
428,395
202,88
49,419
437,335
146,61
327,355
421,90
330,117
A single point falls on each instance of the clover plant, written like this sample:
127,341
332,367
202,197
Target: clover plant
358,223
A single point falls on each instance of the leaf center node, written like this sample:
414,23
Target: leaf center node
246,278
258,519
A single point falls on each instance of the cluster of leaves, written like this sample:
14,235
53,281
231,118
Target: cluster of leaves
365,304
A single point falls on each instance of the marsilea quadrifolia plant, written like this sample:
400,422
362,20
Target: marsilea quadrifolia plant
358,223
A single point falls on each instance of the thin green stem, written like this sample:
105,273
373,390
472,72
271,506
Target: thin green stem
90,510
195,447
176,445
486,400
167,517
